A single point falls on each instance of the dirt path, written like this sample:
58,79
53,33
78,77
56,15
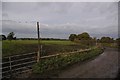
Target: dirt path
104,66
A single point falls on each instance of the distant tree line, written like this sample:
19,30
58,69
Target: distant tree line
106,40
85,38
40,39
10,37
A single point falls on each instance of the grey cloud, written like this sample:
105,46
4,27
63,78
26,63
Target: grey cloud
55,7
18,28
55,31
5,15
62,18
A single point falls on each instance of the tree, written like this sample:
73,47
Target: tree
10,36
72,37
106,40
2,37
85,39
118,41
14,38
84,36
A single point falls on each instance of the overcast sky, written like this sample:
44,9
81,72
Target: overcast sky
60,19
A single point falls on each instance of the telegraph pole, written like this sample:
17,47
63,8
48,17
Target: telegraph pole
38,54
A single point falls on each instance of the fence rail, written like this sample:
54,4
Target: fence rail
21,63
81,50
17,64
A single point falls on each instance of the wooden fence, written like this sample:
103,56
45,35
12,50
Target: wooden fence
13,65
81,50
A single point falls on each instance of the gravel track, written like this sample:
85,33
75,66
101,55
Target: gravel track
103,66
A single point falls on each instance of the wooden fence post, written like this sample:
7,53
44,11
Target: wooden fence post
41,49
38,54
10,66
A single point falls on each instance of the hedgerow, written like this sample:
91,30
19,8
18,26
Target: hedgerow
57,62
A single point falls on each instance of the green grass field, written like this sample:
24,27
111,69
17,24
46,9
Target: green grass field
49,47
36,42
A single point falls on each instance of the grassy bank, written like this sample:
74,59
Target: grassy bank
49,47
50,66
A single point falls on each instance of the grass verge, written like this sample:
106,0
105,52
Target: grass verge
51,66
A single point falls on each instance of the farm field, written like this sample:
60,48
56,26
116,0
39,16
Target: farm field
48,47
